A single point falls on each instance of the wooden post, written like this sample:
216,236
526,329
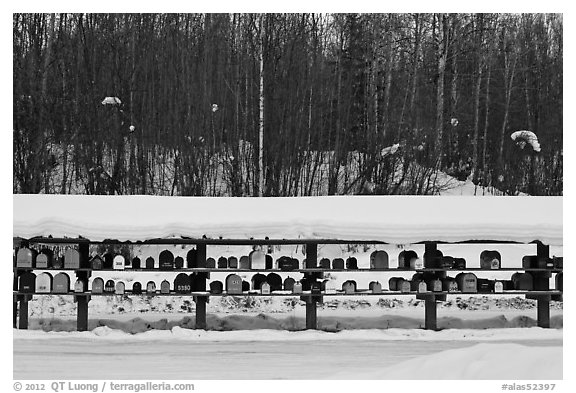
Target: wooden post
82,315
15,315
311,301
430,318
311,314
23,315
201,286
542,280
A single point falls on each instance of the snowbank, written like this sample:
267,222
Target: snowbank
482,361
398,220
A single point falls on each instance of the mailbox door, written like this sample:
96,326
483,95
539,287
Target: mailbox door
258,260
120,288
165,286
244,262
25,258
61,283
44,283
98,285
178,262
72,259
119,262
182,283
166,260
338,263
149,263
27,282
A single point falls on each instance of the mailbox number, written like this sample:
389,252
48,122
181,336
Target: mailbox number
183,287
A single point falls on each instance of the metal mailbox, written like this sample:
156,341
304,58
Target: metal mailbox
375,287
338,263
27,282
485,285
98,285
435,285
405,257
108,261
265,288
416,263
269,262
244,262
61,283
136,263
110,286
210,263
216,287
234,284
349,286
233,262
297,288
393,283
422,287
96,263
324,263
166,260
490,259
178,262
120,288
289,283
44,259
80,286
523,281
351,263
257,281
459,263
137,288
498,287
25,258
44,283
182,283
433,258
449,284
222,263
404,286
150,263
257,260
447,262
245,286
119,262
151,288
467,282
379,260
71,259
287,264
165,286
274,281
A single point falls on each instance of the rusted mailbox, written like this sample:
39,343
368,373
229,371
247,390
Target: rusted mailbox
338,263
244,262
275,282
119,262
490,259
71,259
96,263
379,260
467,282
257,281
351,263
136,263
27,282
44,283
257,260
289,284
405,258
216,287
375,287
98,285
210,263
137,288
234,284
349,286
166,260
151,288
110,286
61,283
222,263
80,286
165,286
150,263
182,283
265,288
120,288
523,281
233,262
26,258
558,282
44,259
324,263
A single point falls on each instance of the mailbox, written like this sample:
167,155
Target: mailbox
61,283
422,287
151,288
289,283
234,284
490,259
216,287
233,263
244,262
257,260
257,281
108,261
287,263
375,287
379,260
178,262
558,282
110,286
210,263
165,286
191,259
120,288
222,263
96,263
467,282
324,263
449,284
269,262
26,258
416,278
137,288
485,286
71,259
416,264
404,286
432,259
393,283
297,288
245,286
182,283
44,259
166,260
136,263
119,262
459,263
351,263
523,281
265,289
274,281
338,263
98,285
349,286
447,262
530,261
405,257
80,286
435,285
498,287
27,282
44,283
149,263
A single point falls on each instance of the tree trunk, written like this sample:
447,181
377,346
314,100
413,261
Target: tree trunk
261,114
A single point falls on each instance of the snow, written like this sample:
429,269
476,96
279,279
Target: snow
397,220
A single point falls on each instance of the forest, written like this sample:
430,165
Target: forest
285,104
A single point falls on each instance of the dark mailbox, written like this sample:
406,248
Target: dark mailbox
233,262
210,263
222,263
216,287
136,263
416,279
61,283
110,286
375,287
234,284
244,262
485,285
435,285
351,263
182,283
324,263
459,263
44,283
523,281
58,262
405,259
275,282
449,284
257,281
289,284
490,259
245,286
71,259
96,263
433,259
286,264
447,262
108,261
166,260
269,261
178,262
393,283
27,282
379,260
530,261
404,286
191,259
149,263
98,285
558,282
349,286
338,263
137,288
